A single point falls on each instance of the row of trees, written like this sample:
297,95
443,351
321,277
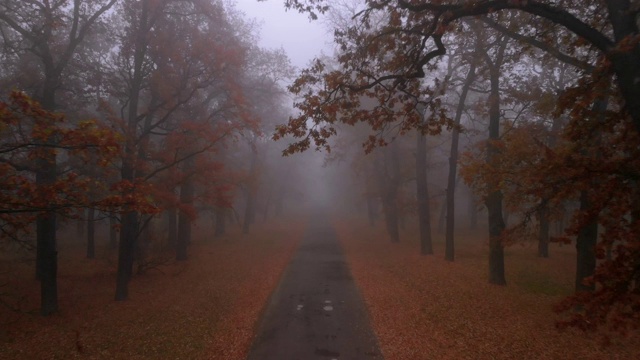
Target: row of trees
180,95
552,87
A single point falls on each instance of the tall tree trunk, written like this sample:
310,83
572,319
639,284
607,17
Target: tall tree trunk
586,248
422,191
46,247
624,20
449,253
588,235
126,247
543,213
184,222
494,198
91,233
129,221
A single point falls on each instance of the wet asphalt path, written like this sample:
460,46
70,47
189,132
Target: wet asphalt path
316,312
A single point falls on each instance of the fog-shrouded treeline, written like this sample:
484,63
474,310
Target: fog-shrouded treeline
531,105
136,119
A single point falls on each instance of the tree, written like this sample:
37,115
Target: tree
25,127
611,27
53,32
393,43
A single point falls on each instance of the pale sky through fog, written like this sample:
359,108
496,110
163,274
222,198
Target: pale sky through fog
301,38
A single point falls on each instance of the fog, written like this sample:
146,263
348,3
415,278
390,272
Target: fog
310,179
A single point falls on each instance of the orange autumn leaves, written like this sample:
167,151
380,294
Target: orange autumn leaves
29,133
595,156
427,308
207,308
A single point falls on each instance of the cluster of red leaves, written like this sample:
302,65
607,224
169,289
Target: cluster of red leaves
206,308
427,308
30,134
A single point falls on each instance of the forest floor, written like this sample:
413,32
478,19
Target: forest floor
426,308
204,308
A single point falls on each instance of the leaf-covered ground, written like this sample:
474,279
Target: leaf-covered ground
427,308
204,308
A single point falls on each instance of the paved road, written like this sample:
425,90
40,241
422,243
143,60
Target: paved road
316,312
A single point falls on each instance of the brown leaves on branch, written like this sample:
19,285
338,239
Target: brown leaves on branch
26,129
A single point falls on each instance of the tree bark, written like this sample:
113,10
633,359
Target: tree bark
625,63
585,248
129,222
46,246
449,253
494,198
422,191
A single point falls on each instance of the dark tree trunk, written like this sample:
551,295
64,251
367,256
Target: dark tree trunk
46,247
625,63
449,252
91,232
184,222
543,213
422,191
220,221
128,236
494,198
586,248
129,221
588,235
172,227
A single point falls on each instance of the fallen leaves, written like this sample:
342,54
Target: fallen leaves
205,308
423,307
